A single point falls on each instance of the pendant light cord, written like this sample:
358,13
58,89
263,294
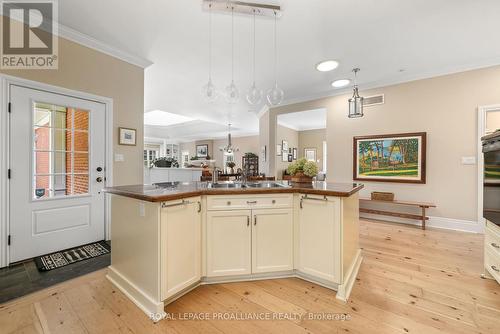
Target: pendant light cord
210,42
275,50
254,45
232,44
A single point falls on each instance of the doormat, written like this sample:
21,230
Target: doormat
72,255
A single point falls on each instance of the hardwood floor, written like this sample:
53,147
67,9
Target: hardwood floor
411,281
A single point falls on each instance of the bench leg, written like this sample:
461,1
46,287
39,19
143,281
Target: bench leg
423,218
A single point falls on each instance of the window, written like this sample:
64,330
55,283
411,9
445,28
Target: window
60,151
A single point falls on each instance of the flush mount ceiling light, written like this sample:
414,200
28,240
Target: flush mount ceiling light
341,83
356,101
327,65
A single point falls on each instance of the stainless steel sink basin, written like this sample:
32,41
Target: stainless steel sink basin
266,185
224,185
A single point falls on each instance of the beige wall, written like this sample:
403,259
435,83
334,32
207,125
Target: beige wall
312,139
245,144
290,135
445,107
84,69
492,121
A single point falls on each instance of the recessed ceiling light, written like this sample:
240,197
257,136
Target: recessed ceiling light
341,83
327,65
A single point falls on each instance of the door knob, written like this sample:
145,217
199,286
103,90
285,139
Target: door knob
99,169
99,179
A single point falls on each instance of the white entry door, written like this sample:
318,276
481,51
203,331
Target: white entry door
57,155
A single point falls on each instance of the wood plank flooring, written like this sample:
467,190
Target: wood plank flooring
411,281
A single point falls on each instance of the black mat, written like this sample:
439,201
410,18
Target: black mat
72,255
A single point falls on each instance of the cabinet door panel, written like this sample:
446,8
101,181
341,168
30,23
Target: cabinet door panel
319,239
228,243
272,240
181,247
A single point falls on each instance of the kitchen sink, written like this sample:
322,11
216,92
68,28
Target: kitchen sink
225,185
266,185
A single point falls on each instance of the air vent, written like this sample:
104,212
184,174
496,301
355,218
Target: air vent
369,101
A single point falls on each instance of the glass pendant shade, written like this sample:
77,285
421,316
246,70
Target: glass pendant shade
232,93
275,95
254,95
355,105
209,92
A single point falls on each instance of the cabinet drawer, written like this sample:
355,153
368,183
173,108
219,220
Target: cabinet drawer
492,264
492,239
249,202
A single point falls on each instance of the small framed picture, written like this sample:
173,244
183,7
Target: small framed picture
294,153
127,136
284,146
202,151
290,158
310,154
278,150
284,157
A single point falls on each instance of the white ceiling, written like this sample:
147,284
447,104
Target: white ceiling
425,38
304,120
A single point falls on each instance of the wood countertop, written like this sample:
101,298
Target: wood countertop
178,190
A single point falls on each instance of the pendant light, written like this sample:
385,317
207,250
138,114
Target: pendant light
254,94
356,101
229,148
232,93
275,95
209,91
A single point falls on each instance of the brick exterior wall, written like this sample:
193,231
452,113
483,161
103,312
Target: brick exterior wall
81,160
42,159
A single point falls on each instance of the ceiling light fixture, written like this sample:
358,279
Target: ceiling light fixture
341,83
275,95
232,92
356,101
209,91
229,148
254,94
327,65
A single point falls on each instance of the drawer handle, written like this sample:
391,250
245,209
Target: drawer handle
495,245
251,202
248,220
254,220
495,269
199,206
228,202
274,201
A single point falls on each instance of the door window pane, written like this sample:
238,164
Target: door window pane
60,151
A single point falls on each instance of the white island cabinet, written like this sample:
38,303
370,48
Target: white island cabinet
166,242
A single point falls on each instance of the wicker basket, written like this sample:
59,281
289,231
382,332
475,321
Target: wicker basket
382,196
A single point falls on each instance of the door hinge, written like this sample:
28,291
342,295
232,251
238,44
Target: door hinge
10,107
8,240
8,173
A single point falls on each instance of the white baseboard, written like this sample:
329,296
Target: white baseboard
436,222
344,290
154,310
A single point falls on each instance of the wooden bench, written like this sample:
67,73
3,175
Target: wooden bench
422,205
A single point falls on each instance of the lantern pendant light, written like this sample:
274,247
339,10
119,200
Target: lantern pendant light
356,101
254,94
232,93
275,95
209,91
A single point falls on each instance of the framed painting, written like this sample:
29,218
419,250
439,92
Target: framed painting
290,158
310,154
202,151
127,136
390,158
284,145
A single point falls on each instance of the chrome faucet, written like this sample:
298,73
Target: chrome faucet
215,175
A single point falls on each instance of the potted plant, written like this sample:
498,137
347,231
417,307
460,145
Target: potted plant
231,165
165,162
303,171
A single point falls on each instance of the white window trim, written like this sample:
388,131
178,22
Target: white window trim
5,82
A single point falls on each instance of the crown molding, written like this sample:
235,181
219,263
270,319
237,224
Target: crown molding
92,43
490,62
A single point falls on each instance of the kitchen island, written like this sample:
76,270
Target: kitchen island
169,238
